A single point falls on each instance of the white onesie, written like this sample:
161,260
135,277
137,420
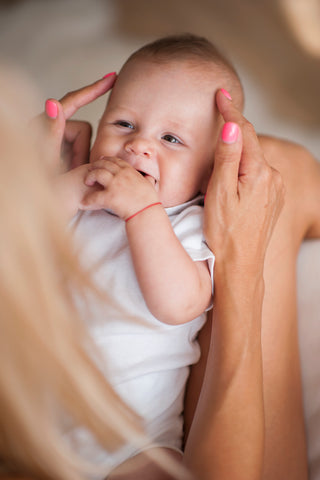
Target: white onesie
146,361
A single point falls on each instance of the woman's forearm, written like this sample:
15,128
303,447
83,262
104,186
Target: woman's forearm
226,439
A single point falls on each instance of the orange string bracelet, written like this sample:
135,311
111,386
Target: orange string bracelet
142,210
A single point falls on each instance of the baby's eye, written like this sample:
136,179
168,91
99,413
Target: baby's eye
124,123
171,139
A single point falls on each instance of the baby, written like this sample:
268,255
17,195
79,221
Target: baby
141,233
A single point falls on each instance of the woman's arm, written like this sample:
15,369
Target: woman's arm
226,439
244,199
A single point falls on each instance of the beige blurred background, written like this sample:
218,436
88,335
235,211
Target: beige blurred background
64,44
274,44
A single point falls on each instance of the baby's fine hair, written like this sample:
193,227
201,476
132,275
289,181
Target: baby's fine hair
192,48
183,47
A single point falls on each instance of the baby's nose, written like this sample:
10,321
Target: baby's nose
140,146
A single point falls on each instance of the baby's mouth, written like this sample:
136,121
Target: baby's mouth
148,177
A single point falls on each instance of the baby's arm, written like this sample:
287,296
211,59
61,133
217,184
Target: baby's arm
175,288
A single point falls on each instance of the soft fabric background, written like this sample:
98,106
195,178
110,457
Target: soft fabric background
65,44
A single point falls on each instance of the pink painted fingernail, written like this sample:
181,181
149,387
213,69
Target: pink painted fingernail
109,74
51,109
230,132
226,94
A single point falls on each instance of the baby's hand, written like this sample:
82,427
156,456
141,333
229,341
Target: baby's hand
122,188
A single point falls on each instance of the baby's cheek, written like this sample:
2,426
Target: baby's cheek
103,147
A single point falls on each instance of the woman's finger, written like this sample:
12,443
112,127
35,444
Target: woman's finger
72,101
54,130
222,189
252,158
76,145
72,137
77,136
227,108
230,113
227,159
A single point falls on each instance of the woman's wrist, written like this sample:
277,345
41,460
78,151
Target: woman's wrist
239,292
234,269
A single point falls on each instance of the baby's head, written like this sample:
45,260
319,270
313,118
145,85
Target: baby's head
161,116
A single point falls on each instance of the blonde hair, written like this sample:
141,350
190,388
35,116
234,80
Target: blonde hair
47,371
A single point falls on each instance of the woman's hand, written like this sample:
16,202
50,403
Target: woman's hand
244,196
69,140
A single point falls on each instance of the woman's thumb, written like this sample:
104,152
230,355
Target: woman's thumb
227,159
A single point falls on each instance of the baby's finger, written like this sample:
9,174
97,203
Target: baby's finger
94,200
98,175
72,101
113,164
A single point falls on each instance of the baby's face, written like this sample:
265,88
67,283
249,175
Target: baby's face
163,121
